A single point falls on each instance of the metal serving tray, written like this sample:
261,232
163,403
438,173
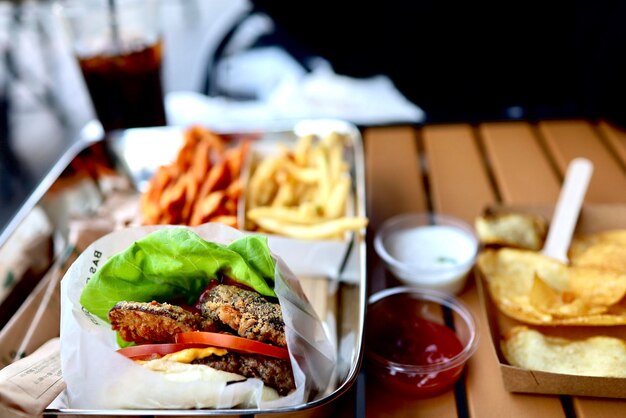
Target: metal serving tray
339,298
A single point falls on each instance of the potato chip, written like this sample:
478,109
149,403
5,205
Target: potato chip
581,243
525,231
603,255
595,356
535,289
510,276
558,304
598,286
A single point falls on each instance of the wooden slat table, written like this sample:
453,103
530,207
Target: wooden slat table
460,169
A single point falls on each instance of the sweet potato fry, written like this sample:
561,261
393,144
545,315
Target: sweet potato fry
230,220
191,187
218,176
235,157
235,189
201,161
172,202
206,208
201,185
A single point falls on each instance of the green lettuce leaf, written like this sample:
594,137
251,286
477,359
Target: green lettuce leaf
173,263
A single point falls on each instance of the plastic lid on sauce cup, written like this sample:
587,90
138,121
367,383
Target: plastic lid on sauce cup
428,250
418,340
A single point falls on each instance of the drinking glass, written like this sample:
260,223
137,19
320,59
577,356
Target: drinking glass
119,47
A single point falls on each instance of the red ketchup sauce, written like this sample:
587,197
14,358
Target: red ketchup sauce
395,333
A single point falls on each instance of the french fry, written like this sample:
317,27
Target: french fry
303,193
284,195
286,214
333,139
321,160
309,209
261,184
324,230
309,175
336,165
303,147
336,203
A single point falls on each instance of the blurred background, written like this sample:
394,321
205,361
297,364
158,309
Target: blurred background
226,62
44,105
469,61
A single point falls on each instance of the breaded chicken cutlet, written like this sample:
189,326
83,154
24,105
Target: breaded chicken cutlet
223,306
244,312
153,322
247,313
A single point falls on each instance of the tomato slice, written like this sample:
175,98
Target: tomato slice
153,351
232,342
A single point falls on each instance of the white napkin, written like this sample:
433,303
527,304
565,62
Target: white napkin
286,93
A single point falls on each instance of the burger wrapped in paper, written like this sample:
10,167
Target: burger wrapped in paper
174,318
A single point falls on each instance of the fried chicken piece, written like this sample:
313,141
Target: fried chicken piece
273,372
153,322
246,312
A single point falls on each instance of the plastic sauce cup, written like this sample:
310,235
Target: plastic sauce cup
428,250
418,341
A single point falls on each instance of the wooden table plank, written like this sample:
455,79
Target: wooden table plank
599,407
460,185
394,185
393,174
567,140
521,169
616,137
383,404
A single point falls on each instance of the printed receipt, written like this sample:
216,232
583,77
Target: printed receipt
29,385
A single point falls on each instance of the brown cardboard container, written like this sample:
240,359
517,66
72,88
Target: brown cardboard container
594,218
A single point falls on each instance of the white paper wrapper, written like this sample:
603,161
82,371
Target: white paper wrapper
99,378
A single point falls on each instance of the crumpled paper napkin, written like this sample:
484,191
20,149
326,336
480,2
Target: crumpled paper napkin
286,93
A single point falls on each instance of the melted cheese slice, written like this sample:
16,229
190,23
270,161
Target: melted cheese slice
190,354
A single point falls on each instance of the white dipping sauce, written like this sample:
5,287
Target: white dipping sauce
436,256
